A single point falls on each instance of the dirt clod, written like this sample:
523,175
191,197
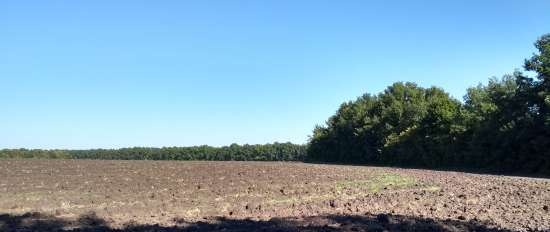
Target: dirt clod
332,203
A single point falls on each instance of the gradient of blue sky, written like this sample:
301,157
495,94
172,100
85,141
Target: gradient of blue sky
88,74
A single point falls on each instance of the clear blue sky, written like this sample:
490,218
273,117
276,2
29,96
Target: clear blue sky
89,74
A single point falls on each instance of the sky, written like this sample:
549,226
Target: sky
110,74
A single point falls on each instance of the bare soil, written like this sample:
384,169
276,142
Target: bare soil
92,195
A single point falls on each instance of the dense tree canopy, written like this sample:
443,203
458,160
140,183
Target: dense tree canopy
501,126
397,126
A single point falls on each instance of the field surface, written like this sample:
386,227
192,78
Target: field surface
89,195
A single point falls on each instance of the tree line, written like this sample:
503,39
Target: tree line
502,126
265,152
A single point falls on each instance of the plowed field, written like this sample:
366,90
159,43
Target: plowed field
89,195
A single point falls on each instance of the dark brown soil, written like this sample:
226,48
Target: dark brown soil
48,195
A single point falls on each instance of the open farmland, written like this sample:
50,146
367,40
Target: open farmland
94,195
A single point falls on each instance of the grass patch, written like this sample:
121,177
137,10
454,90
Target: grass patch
432,188
352,189
378,182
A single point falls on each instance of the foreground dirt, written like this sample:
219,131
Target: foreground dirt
87,195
